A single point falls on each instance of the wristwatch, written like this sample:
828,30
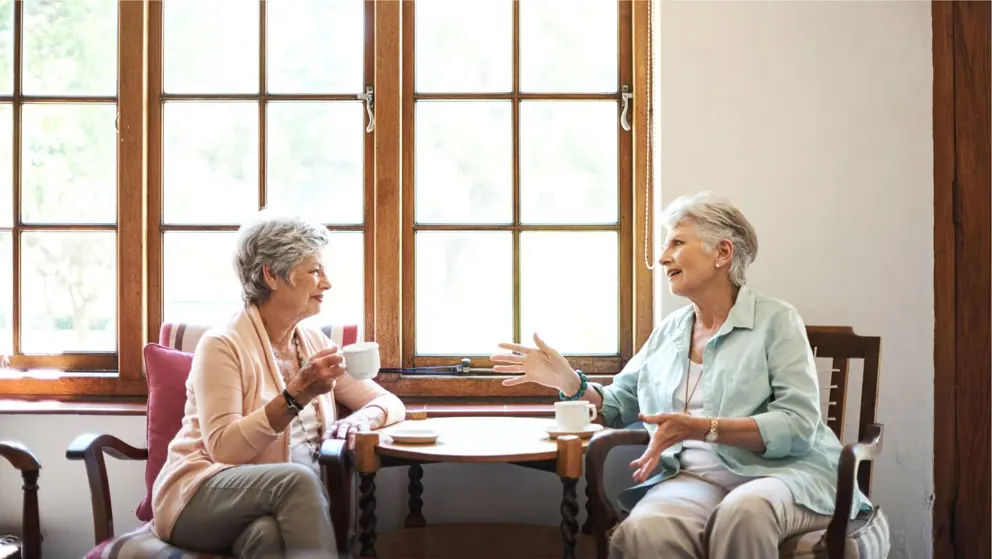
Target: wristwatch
713,433
292,405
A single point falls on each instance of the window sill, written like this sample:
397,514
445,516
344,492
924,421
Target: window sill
11,406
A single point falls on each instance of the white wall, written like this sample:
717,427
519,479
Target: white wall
815,117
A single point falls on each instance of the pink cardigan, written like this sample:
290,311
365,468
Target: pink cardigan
232,378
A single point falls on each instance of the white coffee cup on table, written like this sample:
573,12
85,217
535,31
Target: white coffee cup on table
574,415
361,359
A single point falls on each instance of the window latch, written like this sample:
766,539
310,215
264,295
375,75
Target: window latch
625,96
369,98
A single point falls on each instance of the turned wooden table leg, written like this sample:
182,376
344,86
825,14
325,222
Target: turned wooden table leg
415,516
367,464
569,470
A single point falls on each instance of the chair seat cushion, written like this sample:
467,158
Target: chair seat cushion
142,544
867,538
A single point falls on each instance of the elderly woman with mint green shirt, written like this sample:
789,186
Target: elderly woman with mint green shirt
739,457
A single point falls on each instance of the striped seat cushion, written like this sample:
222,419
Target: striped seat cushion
867,538
142,544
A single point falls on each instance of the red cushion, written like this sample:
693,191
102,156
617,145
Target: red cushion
166,371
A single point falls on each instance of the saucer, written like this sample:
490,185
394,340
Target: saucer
413,435
554,431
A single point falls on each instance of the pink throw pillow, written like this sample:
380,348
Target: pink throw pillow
166,371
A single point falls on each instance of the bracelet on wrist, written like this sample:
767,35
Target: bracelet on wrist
582,388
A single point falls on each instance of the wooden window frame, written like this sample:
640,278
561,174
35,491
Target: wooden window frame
395,206
140,204
97,373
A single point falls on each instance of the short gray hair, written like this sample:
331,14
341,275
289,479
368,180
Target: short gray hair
279,242
716,220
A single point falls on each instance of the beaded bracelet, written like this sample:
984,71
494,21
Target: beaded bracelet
582,388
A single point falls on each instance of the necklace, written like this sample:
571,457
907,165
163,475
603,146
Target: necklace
688,395
314,448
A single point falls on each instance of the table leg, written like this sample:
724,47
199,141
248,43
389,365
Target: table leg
366,521
367,464
569,517
415,516
569,469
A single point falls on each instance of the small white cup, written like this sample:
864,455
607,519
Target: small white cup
575,415
361,360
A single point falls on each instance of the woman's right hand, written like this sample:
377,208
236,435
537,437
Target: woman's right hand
318,376
543,365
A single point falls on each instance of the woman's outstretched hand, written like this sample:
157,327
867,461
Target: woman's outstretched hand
542,365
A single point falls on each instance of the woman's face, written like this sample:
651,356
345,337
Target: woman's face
303,294
690,265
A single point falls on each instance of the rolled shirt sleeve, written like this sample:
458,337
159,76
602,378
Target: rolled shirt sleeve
789,423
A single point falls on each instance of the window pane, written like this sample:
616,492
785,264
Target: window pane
6,47
68,291
463,162
568,48
463,46
211,162
316,159
210,46
345,266
6,161
297,29
69,167
568,162
464,293
70,47
573,312
6,295
200,286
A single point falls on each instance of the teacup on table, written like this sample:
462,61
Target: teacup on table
361,360
574,418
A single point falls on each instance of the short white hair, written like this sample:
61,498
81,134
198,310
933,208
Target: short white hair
280,242
716,219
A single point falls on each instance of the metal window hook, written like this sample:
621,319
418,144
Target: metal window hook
369,98
625,96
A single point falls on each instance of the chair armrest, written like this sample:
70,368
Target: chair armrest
19,456
599,447
847,471
24,460
90,448
338,479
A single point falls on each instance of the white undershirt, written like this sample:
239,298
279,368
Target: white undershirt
699,457
300,451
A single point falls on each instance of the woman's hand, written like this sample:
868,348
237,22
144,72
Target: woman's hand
364,420
673,428
318,376
543,365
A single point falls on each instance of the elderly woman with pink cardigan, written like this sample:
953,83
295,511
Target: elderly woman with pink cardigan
241,476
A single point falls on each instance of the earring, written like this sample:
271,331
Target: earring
717,265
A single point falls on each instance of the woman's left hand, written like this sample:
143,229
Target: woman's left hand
673,428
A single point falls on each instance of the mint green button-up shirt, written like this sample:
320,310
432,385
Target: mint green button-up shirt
758,365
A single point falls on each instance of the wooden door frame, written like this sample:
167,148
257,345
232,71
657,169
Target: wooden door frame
962,286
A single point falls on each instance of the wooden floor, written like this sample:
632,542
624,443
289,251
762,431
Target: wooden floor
479,541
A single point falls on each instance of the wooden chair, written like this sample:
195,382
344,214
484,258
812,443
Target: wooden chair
28,545
142,544
865,537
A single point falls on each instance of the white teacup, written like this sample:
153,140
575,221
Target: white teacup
361,359
574,415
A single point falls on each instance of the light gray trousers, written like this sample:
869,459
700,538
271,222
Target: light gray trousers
688,517
266,511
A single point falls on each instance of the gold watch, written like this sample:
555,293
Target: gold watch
713,433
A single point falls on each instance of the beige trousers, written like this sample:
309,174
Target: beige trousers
265,511
687,518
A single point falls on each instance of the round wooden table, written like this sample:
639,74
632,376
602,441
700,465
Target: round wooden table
515,440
